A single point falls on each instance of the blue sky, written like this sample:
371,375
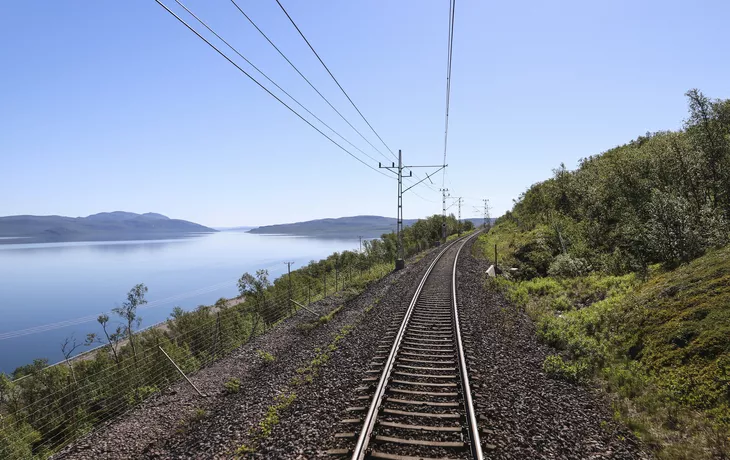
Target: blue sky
116,106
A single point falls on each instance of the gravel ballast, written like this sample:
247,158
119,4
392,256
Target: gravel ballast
307,429
180,424
524,414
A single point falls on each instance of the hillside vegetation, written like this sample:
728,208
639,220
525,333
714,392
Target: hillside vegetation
624,268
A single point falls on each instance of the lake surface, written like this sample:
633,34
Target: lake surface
52,291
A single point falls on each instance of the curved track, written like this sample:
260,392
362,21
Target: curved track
420,401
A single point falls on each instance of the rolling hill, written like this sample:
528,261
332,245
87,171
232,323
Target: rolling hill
105,226
343,227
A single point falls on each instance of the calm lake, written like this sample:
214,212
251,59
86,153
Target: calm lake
52,291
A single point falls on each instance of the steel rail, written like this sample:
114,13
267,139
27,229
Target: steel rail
360,449
473,429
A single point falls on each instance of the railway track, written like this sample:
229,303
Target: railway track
415,401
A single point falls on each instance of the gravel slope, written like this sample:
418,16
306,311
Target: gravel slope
166,426
523,413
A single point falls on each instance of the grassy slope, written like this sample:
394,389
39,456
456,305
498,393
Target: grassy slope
660,346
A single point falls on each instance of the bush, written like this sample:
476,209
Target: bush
140,394
232,385
565,266
265,356
555,367
17,438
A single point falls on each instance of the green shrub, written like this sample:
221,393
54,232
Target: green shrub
555,367
328,317
566,266
232,385
140,394
265,356
17,438
198,415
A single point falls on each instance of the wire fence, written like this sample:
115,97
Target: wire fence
49,407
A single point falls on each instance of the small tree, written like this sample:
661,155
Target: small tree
254,287
112,339
128,312
221,303
67,348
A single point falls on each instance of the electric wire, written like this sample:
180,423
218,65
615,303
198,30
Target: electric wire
225,56
452,7
333,78
305,78
204,24
308,82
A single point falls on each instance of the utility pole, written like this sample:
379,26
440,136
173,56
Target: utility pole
400,257
444,195
360,237
459,200
486,213
288,271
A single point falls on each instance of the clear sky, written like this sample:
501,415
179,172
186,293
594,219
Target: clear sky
114,105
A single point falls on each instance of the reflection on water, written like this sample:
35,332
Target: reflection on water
103,246
147,246
71,283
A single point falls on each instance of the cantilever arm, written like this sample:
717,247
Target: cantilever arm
428,176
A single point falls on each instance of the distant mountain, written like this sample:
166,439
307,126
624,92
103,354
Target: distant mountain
343,227
105,226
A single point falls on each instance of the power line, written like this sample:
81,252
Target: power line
204,24
333,78
305,78
182,21
341,88
424,199
452,7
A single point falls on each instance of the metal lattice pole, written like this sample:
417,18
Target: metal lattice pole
398,170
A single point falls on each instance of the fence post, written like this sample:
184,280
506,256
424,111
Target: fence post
182,373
